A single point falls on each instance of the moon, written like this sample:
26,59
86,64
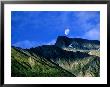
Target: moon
67,31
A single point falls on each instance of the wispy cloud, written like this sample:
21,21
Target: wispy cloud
87,20
87,24
25,44
93,34
52,42
30,44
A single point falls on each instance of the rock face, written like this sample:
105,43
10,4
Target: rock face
77,43
73,56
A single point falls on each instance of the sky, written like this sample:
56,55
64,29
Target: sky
35,28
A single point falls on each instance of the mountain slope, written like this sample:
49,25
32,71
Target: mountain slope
23,64
78,56
54,52
78,63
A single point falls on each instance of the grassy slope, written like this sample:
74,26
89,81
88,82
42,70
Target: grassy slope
25,65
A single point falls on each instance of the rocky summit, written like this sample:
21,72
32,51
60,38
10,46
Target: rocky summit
77,43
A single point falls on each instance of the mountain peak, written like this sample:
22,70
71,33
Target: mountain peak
62,41
77,43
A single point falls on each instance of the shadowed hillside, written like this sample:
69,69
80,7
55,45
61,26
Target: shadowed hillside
23,64
78,63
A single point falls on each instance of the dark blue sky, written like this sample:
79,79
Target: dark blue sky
34,28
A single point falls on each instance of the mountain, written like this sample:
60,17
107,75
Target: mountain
78,63
53,52
23,64
69,56
77,43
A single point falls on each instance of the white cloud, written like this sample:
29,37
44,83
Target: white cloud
89,23
25,44
93,34
29,44
67,31
83,19
52,42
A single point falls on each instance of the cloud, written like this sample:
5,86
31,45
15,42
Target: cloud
87,19
86,25
25,44
52,42
67,31
93,34
84,16
29,44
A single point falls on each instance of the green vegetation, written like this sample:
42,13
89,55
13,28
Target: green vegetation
25,65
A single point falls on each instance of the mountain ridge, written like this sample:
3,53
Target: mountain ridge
77,43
